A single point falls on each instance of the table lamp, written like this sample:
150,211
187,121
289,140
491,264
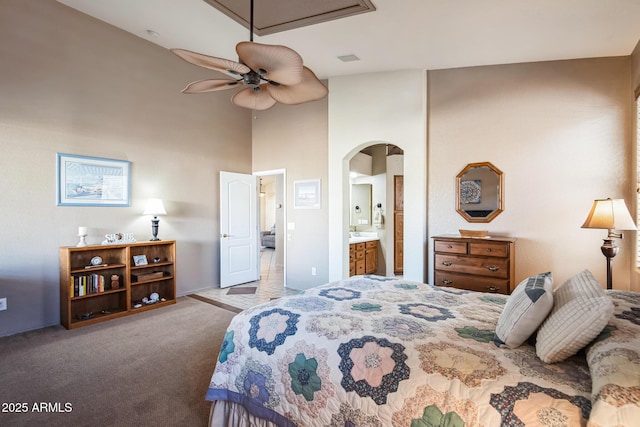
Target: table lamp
610,214
154,207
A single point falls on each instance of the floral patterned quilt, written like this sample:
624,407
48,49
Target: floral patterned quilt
375,351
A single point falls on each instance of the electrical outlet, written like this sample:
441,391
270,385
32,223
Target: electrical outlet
313,271
3,304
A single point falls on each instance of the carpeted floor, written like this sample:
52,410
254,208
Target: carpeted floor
148,369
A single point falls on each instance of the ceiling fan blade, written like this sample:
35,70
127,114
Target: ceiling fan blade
226,66
211,85
253,99
280,63
310,89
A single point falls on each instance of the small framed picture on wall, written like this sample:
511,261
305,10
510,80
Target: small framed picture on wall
306,194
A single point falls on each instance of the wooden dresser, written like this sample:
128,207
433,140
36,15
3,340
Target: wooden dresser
476,264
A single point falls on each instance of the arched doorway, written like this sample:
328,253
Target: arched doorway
379,168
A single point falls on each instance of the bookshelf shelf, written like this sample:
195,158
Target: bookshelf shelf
89,295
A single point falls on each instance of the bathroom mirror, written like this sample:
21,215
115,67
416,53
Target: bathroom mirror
479,192
360,204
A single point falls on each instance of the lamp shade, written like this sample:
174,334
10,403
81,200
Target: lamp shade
154,207
609,214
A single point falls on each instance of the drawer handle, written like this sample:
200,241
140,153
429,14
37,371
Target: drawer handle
447,263
493,268
488,249
493,289
449,247
447,281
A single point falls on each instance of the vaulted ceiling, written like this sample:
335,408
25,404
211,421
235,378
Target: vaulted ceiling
398,34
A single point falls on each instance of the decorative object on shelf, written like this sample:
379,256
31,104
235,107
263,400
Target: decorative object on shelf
473,233
96,260
82,233
156,260
141,277
154,207
115,281
271,74
118,238
610,214
140,260
152,299
92,181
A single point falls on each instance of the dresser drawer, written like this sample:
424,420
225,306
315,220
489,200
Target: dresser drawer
471,283
482,266
497,249
450,247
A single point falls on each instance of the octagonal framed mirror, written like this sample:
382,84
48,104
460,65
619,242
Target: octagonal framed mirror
479,192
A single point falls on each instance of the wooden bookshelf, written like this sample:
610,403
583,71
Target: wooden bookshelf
86,292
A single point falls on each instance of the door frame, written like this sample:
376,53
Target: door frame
283,227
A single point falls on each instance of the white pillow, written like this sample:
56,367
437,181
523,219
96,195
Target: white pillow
526,308
580,312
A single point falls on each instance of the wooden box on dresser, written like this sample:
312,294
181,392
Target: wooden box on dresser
115,286
476,264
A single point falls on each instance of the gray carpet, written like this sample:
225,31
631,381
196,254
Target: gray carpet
147,369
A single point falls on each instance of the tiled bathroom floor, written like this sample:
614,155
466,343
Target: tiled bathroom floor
270,286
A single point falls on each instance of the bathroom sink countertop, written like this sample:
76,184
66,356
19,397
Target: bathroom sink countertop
363,237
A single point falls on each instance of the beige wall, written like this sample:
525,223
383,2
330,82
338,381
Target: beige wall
359,116
560,132
73,84
294,137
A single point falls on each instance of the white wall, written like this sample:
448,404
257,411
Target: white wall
378,108
560,131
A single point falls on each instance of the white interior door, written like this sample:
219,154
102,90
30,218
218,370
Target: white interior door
239,251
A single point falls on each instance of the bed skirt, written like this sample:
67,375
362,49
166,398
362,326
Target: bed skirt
224,413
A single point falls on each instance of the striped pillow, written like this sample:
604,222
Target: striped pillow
525,310
580,312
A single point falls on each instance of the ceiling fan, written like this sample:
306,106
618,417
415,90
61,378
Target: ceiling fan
272,73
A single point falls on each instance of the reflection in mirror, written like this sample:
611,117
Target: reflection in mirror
360,204
479,192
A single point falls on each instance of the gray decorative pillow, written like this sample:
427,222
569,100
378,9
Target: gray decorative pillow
525,310
580,312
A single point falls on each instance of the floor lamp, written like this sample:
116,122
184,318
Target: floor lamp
610,214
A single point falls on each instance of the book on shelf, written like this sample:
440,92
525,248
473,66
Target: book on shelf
87,284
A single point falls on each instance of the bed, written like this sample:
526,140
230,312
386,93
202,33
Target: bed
376,351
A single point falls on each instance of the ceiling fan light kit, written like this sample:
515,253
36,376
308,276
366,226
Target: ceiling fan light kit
272,73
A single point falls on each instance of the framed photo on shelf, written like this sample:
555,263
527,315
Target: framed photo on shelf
139,260
92,181
306,194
